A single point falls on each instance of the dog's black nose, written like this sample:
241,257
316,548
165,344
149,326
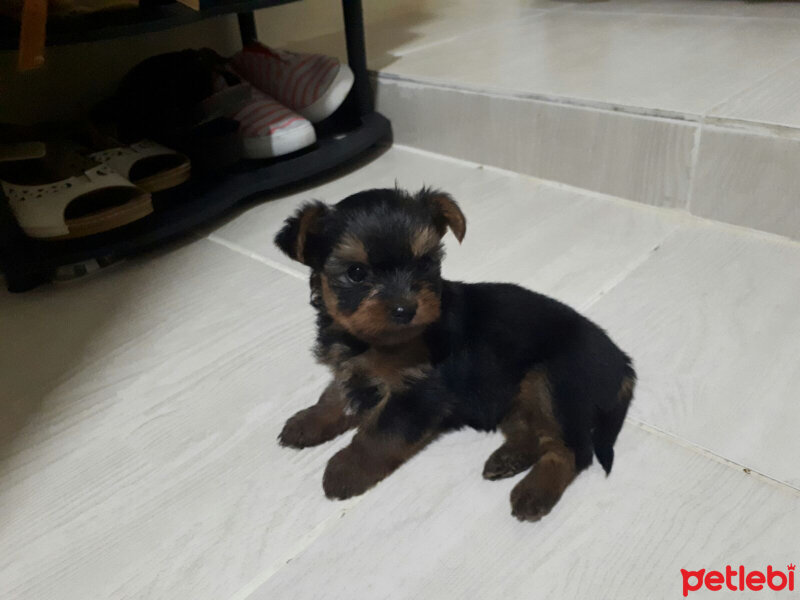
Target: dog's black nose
403,313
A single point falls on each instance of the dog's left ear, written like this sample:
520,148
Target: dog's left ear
301,236
446,212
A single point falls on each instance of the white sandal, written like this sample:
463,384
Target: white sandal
147,165
93,201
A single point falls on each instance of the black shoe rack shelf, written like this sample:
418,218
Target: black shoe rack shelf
352,130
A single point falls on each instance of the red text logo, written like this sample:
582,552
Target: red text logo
738,579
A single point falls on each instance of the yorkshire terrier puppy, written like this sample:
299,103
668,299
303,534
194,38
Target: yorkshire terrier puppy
414,355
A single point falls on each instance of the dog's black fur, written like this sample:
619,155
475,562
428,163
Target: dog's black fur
414,355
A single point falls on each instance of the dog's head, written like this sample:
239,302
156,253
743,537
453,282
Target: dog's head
376,257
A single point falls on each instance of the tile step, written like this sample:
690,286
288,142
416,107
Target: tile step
726,169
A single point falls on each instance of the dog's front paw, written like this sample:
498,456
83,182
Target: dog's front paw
304,429
532,502
347,475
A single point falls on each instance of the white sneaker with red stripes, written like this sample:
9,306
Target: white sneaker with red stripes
313,85
268,128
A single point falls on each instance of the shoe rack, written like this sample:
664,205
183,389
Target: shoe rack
343,137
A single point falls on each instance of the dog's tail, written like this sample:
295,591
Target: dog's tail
608,423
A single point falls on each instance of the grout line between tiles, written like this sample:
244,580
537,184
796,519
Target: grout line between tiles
693,166
623,275
257,257
710,454
585,103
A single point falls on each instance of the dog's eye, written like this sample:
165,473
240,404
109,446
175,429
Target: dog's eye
356,273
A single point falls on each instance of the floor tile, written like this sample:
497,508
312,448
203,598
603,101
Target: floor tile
587,55
558,242
436,530
712,323
255,229
628,156
748,179
393,27
773,100
411,26
518,229
140,411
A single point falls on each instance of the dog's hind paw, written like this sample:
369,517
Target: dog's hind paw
507,461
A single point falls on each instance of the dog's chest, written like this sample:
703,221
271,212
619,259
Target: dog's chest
388,368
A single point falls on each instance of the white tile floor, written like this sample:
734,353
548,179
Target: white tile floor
140,408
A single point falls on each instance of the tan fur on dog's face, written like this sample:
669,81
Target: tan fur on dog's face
371,321
376,260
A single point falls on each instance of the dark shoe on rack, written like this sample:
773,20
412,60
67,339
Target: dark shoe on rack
171,99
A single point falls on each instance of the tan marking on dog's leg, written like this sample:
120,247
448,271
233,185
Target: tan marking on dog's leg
537,493
533,437
530,417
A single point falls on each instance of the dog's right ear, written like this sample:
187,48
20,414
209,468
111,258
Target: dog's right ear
301,238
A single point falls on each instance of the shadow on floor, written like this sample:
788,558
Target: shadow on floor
49,334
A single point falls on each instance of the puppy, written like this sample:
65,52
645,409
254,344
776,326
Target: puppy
414,355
